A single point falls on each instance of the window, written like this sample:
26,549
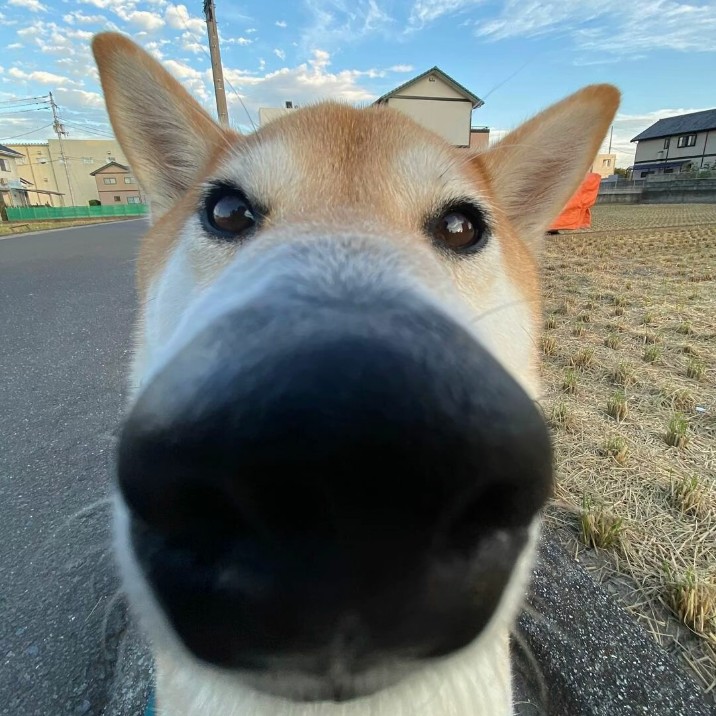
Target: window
667,141
606,162
110,180
4,165
668,171
87,160
133,200
110,159
686,140
118,198
129,180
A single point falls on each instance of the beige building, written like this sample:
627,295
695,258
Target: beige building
479,138
17,191
268,114
604,164
41,165
439,103
116,185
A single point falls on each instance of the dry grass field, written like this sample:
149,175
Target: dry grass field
630,392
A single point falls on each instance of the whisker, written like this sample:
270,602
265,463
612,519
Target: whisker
114,599
496,309
526,649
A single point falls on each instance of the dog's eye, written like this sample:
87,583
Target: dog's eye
228,213
459,228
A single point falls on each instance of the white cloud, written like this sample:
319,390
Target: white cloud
31,5
250,30
83,99
102,4
281,23
147,21
401,68
427,11
308,82
608,26
14,46
280,54
178,18
339,22
46,78
243,41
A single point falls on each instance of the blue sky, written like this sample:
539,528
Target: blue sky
518,55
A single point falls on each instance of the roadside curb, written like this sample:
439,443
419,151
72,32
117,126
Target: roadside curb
67,228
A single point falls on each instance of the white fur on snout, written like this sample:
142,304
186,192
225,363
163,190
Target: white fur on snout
188,296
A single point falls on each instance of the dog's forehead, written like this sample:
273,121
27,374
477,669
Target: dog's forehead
334,153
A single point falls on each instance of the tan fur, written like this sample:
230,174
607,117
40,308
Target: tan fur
372,176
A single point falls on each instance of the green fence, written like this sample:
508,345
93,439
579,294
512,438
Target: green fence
42,213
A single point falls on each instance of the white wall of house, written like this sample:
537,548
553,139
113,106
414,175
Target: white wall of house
451,120
652,150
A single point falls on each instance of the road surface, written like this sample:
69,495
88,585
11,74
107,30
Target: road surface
66,312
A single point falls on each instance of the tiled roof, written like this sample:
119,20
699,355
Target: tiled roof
109,164
9,152
683,124
476,101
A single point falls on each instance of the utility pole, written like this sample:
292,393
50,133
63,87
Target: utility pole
218,73
611,134
61,132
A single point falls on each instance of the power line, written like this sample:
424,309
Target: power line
21,111
90,130
22,99
24,134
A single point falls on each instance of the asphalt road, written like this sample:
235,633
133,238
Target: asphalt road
65,319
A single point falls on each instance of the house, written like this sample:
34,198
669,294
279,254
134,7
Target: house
268,114
11,190
17,191
438,102
604,165
116,185
41,164
675,144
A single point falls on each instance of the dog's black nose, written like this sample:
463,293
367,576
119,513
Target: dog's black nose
295,469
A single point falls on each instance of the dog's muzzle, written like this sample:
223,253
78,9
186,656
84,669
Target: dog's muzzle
311,479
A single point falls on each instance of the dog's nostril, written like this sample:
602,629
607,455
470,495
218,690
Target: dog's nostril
479,513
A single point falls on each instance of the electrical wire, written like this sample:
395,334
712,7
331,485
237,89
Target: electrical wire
92,130
23,99
24,134
21,111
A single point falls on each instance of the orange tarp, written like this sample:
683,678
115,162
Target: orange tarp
577,214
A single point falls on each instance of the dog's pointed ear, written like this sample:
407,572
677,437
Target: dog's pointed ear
536,168
167,137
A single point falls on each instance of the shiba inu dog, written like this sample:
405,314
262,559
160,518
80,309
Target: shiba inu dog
332,468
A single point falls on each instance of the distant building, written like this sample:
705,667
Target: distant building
268,114
479,138
116,185
41,165
17,191
604,165
438,102
676,144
